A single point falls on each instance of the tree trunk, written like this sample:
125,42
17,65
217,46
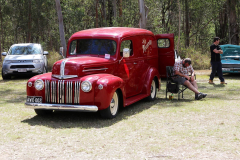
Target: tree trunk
120,11
96,25
61,27
223,23
233,26
187,24
29,20
179,25
1,33
143,14
110,13
114,8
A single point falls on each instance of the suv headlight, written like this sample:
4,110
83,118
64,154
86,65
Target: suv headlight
7,61
37,61
86,86
39,84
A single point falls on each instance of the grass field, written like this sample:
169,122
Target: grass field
163,129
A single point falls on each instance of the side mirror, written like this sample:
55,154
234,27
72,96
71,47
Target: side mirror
126,52
4,53
45,53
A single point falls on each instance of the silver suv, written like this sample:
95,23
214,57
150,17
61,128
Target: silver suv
24,58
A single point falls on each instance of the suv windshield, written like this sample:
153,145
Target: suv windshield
93,46
25,50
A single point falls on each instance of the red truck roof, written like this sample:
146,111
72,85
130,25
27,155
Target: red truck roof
114,32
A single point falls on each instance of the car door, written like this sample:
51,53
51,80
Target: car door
128,68
166,55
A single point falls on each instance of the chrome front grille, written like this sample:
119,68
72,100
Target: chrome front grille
62,92
230,65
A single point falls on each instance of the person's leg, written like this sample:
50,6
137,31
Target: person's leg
191,87
194,83
219,71
214,69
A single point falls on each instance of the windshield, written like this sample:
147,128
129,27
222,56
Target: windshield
93,46
25,50
231,52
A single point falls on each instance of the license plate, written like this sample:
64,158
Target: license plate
34,99
22,70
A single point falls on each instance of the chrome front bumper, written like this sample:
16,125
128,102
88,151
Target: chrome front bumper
65,107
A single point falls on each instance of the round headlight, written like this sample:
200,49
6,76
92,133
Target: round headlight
39,84
86,86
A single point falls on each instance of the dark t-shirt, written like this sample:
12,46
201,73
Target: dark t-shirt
215,57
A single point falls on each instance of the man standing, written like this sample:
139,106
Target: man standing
182,68
216,61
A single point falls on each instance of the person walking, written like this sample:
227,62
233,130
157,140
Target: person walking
181,70
216,61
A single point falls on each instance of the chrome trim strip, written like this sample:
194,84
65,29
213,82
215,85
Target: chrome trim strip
62,72
90,70
64,76
90,108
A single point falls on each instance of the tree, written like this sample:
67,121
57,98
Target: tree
233,26
61,27
143,14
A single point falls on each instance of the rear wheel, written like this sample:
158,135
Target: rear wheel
153,91
113,108
42,112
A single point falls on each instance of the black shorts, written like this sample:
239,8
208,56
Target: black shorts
179,80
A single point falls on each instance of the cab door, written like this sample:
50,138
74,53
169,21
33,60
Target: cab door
166,55
129,68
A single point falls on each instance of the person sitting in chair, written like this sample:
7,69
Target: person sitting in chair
181,69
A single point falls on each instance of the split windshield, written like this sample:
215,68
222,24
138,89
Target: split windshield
25,50
93,46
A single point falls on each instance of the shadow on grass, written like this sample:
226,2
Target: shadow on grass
64,119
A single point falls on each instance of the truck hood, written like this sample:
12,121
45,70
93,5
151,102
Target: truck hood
81,66
23,57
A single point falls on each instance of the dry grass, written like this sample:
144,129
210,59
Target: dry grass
163,129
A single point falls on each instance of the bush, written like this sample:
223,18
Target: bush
200,59
52,57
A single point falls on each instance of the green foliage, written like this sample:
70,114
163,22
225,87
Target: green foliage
38,20
200,59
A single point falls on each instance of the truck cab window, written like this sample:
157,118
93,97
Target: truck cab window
126,44
163,43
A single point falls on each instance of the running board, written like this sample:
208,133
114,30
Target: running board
134,99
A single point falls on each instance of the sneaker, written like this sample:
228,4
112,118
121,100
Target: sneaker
210,81
223,82
199,96
204,95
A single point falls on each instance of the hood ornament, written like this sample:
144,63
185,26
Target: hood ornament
62,68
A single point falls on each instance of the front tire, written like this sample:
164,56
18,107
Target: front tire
112,110
153,91
42,112
5,77
44,70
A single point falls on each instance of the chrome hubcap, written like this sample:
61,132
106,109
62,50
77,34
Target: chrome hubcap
114,104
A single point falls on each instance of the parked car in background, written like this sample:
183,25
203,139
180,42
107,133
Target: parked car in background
24,58
230,58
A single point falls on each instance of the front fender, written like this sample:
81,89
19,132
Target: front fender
105,88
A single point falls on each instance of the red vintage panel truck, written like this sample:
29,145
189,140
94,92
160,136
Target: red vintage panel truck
104,69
